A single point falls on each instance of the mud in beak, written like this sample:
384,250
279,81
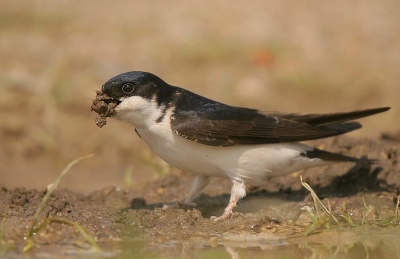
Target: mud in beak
104,105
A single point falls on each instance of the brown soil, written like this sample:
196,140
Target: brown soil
149,216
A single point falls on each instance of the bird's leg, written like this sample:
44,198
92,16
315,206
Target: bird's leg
238,191
200,182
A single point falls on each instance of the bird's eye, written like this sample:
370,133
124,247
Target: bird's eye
127,88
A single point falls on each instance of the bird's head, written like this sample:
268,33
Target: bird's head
136,97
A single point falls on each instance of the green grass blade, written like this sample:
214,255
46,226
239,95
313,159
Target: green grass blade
50,189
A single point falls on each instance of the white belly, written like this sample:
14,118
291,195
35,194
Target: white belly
249,163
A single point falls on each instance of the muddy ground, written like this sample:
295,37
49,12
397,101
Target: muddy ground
148,217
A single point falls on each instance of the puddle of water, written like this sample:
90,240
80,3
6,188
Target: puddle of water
369,242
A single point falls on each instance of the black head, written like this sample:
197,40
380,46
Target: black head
137,83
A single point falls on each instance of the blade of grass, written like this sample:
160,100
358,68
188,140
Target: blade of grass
348,220
388,221
364,212
78,227
50,188
317,201
301,210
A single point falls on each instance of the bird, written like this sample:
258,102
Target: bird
208,138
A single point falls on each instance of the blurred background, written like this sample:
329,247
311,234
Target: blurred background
293,56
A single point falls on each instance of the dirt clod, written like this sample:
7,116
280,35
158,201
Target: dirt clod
104,105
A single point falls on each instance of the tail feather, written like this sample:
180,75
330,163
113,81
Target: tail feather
335,157
343,127
331,118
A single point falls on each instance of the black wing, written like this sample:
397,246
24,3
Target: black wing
215,124
328,118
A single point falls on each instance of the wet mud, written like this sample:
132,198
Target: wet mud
148,216
104,106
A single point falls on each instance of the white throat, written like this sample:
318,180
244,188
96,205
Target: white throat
139,111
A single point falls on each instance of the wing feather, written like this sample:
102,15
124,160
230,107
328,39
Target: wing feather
250,128
199,119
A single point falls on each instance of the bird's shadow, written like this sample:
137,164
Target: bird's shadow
361,178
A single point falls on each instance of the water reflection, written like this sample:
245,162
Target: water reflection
368,242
